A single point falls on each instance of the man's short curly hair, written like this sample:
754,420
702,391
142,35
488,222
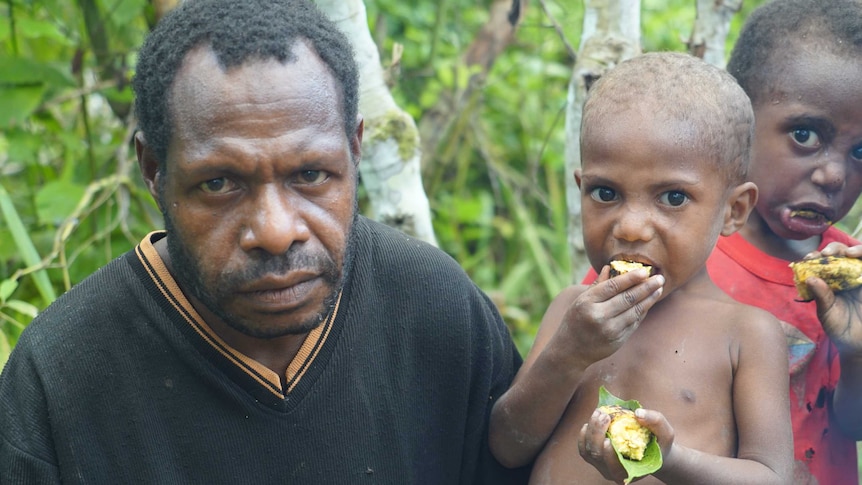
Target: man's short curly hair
237,31
678,87
776,31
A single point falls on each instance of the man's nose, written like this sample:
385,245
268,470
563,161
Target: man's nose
275,221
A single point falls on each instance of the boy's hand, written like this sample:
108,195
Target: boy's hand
601,318
596,449
839,313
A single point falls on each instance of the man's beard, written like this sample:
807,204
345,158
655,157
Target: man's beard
186,270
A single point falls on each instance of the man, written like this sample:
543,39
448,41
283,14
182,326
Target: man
270,335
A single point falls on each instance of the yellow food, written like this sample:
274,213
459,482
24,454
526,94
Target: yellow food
627,436
839,273
622,267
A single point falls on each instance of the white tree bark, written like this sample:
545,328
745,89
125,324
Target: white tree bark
610,35
711,25
391,155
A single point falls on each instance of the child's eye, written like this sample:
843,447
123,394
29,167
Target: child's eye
673,198
805,137
603,194
218,185
856,153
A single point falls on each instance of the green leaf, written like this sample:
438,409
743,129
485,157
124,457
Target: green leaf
24,71
56,200
18,103
23,308
32,28
123,13
652,460
25,246
7,287
5,348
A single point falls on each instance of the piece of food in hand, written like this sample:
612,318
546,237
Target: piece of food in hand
619,267
627,436
839,273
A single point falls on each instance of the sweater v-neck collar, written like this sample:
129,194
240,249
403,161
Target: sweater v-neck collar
266,378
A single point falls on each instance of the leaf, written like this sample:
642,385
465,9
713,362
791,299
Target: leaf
7,287
125,12
56,200
32,28
25,246
5,348
18,103
652,460
27,72
23,308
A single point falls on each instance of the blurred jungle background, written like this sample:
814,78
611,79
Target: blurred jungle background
492,146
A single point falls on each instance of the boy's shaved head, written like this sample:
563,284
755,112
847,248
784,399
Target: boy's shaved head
680,88
776,31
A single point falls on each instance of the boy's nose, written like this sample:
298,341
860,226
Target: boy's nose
633,225
274,223
830,173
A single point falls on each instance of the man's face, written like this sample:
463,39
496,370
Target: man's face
260,190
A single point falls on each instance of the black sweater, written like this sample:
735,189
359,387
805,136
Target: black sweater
119,381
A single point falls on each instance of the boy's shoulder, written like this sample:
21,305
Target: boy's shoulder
750,322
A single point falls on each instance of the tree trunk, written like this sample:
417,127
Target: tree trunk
711,25
391,154
611,34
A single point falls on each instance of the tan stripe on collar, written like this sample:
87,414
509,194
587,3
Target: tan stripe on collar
157,270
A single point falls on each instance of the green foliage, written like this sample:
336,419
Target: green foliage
495,177
67,202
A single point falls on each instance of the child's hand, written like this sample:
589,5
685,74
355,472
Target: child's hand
840,313
601,318
596,449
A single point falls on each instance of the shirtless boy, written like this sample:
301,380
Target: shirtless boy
665,144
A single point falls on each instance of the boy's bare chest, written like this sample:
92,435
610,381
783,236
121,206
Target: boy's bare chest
683,369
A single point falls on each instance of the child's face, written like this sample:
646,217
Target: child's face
807,151
648,195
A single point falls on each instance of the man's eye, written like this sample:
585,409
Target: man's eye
805,137
215,186
312,177
674,198
603,194
856,153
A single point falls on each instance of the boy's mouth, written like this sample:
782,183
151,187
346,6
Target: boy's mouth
810,215
806,221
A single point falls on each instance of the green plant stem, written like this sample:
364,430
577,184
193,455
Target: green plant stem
25,247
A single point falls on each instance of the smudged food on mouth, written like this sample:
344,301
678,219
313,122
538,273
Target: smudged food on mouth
810,215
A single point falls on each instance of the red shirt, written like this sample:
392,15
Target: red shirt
823,454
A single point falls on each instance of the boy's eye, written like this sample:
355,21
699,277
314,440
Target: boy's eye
856,153
312,177
603,194
673,198
216,186
805,137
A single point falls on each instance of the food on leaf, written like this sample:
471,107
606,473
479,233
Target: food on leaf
626,434
619,267
839,273
651,460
